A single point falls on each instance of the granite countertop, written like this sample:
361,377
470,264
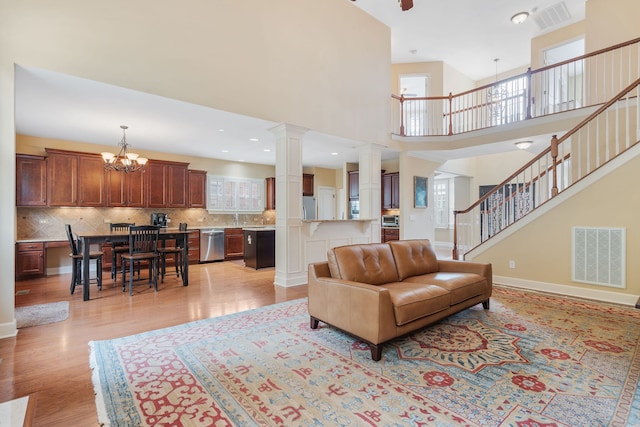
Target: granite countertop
189,228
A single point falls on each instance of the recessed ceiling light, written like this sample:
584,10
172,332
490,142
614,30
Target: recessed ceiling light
334,154
221,130
254,139
267,150
224,151
519,17
241,160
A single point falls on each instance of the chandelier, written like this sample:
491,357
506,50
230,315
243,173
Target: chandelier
124,161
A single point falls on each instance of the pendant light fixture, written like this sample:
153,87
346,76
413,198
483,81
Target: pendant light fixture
124,161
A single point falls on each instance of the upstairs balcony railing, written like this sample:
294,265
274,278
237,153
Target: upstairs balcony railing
605,134
587,80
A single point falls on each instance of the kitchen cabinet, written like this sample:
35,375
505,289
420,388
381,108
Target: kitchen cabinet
229,194
233,243
193,254
62,169
31,180
354,185
270,184
307,184
391,190
125,189
157,184
197,188
259,248
91,181
167,184
389,234
75,179
30,260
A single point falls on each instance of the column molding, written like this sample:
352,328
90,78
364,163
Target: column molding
290,270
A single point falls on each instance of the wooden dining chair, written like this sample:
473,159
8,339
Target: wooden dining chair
76,262
118,248
178,253
143,246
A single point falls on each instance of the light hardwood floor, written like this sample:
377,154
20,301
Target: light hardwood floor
52,361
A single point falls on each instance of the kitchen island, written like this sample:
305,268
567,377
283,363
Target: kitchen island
259,247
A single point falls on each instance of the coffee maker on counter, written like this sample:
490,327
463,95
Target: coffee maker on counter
159,219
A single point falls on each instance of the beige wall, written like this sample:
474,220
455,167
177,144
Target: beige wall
611,22
553,39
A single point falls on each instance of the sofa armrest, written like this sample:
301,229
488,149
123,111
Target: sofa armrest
359,308
481,268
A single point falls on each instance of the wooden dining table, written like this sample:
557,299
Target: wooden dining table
87,239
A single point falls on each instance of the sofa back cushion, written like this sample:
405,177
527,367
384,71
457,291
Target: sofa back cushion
414,257
371,263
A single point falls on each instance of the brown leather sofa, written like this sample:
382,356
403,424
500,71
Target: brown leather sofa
380,291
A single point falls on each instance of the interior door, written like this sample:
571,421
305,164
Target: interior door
326,203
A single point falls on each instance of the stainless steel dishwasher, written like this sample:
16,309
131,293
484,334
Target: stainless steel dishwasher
211,244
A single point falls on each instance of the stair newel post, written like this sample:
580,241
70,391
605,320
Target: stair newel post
554,165
529,92
402,115
455,234
450,113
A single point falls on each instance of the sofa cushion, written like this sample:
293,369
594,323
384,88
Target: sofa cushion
371,263
462,286
413,257
412,301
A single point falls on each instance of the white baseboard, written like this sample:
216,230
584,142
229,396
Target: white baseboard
570,291
8,330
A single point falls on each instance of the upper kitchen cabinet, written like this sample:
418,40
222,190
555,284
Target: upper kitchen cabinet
31,180
230,194
271,193
391,190
167,184
307,184
197,189
75,179
91,181
125,189
63,170
354,185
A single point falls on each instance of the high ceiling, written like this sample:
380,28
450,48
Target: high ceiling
459,32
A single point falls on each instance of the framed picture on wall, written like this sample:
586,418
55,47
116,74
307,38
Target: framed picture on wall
419,192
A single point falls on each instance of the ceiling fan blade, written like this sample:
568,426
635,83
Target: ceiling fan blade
406,4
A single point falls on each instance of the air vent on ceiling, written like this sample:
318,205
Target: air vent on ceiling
552,16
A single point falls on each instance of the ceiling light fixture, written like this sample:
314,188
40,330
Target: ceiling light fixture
519,17
523,145
123,161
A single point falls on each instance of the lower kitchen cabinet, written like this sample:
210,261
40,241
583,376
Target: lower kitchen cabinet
233,243
389,234
194,247
259,248
30,260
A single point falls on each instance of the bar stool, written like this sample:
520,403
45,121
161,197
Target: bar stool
177,250
76,258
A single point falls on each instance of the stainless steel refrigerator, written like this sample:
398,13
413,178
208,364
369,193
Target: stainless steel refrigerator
308,207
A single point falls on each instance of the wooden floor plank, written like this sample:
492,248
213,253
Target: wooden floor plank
51,361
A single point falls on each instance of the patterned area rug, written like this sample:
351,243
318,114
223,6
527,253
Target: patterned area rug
41,314
532,360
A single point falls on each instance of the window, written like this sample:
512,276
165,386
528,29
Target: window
441,201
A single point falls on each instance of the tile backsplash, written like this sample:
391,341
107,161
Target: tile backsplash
48,223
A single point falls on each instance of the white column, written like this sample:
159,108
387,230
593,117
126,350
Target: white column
290,268
8,208
370,186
